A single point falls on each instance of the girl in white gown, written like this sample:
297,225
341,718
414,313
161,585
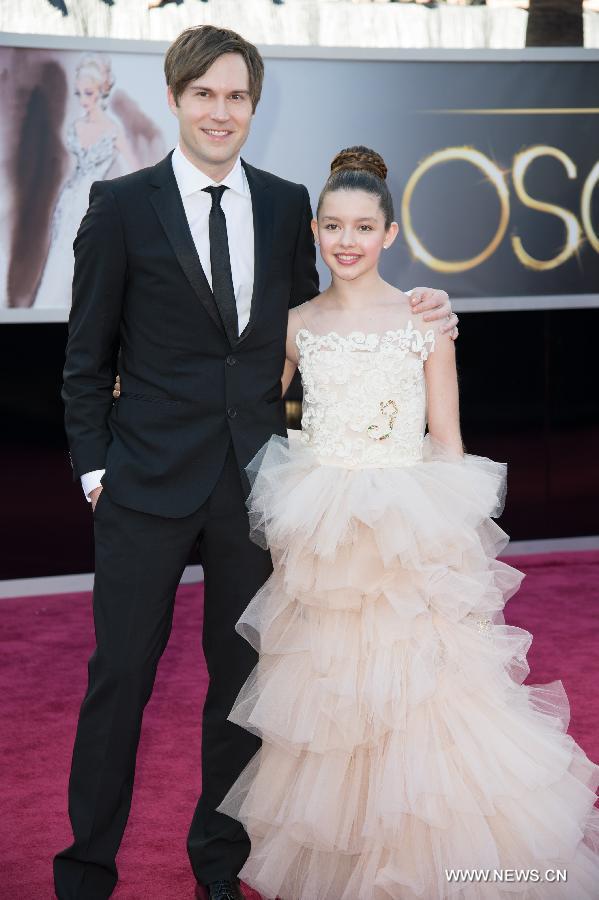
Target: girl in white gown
399,741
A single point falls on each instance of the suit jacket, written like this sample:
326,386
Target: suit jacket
187,387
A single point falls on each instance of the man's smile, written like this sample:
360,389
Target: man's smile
217,133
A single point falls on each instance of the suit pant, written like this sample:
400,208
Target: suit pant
139,562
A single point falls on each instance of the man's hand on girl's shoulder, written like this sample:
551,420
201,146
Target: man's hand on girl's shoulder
435,304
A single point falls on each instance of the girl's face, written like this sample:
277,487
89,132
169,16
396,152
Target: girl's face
351,232
88,92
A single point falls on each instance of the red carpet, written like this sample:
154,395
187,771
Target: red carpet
45,643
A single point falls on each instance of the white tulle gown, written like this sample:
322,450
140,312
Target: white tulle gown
398,738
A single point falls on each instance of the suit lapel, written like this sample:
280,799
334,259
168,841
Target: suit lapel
169,209
262,214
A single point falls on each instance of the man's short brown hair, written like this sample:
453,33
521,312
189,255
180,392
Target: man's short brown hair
196,49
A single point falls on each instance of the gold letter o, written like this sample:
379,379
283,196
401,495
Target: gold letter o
491,172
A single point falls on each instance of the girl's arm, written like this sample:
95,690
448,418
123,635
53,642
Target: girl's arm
442,394
288,373
294,323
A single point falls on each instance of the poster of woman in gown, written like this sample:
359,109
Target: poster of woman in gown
97,143
71,118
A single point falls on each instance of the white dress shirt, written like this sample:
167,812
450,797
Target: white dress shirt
236,204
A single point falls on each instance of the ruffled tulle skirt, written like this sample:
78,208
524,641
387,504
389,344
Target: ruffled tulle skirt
399,741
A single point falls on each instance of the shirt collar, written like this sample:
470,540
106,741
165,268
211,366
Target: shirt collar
190,179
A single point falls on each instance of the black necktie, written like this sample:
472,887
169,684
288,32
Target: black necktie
220,262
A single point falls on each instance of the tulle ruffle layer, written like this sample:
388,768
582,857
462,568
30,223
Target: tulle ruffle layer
435,510
398,738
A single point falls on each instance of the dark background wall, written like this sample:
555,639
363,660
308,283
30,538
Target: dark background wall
530,397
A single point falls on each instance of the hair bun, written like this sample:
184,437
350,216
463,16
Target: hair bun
360,159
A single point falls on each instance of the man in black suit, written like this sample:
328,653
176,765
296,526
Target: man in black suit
186,271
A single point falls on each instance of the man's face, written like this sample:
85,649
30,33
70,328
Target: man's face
215,114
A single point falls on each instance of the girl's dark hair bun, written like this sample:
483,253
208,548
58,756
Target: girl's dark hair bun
360,169
360,159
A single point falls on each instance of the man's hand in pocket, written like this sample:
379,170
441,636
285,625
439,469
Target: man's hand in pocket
93,496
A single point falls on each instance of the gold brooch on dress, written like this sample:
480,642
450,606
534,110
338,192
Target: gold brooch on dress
389,410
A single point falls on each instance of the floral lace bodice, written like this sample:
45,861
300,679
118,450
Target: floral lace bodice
364,395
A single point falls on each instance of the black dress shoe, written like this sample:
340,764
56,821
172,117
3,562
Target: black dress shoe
226,889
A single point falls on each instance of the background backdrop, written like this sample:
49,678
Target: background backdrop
493,165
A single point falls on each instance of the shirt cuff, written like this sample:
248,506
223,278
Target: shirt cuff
90,481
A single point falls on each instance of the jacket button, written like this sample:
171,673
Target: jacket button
231,360
231,412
